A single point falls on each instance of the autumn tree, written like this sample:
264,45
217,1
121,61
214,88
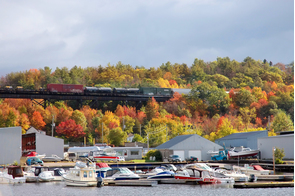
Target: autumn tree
151,109
117,136
37,121
70,130
282,122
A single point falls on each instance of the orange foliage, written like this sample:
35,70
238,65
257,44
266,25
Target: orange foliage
119,111
274,86
140,116
167,76
37,120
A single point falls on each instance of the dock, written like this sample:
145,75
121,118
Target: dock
275,177
264,185
131,183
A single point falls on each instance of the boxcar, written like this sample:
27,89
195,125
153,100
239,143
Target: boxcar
65,88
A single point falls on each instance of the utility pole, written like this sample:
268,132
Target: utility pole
123,124
273,160
53,125
140,129
148,146
102,133
166,132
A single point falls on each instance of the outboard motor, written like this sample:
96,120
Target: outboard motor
99,182
38,170
252,178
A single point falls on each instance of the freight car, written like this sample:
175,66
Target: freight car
65,88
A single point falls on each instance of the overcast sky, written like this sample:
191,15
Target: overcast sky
55,33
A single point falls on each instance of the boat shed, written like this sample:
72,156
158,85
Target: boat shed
245,139
43,144
283,141
10,145
188,145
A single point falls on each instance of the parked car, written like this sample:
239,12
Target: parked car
174,158
192,159
34,161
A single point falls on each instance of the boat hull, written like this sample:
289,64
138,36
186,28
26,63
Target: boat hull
70,182
243,154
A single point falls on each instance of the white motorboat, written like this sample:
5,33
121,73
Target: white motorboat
162,175
46,176
11,175
237,175
81,175
248,170
237,152
121,173
39,173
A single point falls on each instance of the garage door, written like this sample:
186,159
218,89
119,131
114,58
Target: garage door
195,153
179,153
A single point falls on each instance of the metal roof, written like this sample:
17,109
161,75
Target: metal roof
241,135
173,141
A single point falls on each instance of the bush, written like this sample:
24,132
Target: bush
279,161
279,155
154,153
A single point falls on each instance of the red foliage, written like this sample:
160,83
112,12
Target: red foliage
70,129
255,105
130,111
113,125
220,121
169,116
231,93
258,122
270,94
172,82
183,119
262,102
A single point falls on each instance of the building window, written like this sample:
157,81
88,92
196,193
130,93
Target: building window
90,174
85,174
134,153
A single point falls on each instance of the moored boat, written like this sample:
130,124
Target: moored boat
81,175
12,174
121,173
237,152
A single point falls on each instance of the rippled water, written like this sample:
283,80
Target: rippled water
59,188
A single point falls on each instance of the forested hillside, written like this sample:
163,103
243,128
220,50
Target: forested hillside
261,96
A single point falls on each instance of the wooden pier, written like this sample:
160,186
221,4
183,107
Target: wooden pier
264,185
131,183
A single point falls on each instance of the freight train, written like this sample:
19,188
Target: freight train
77,89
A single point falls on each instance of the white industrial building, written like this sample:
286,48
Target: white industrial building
266,145
245,139
188,145
10,145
